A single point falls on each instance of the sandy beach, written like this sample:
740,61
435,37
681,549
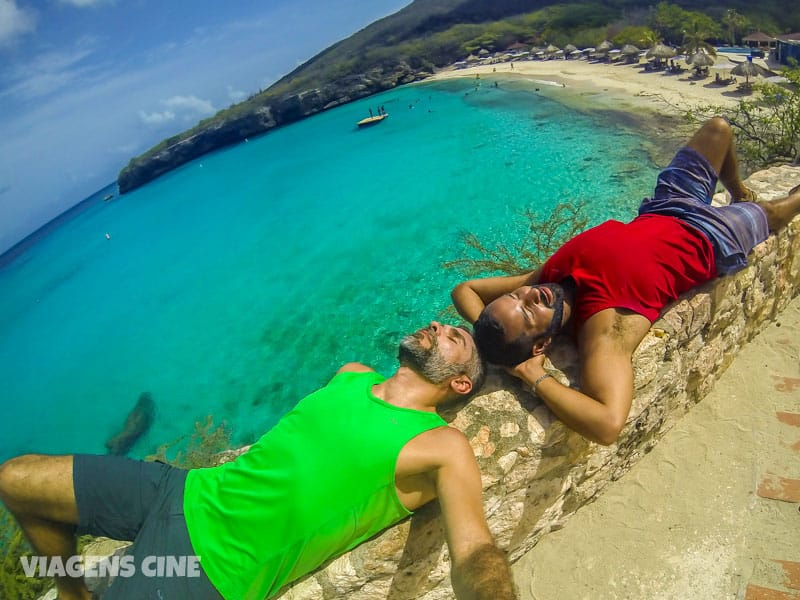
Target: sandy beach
687,522
613,85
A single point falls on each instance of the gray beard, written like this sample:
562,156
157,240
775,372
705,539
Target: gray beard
427,362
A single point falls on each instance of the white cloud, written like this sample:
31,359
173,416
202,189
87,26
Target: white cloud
126,149
83,3
189,104
47,73
187,107
236,95
14,21
156,118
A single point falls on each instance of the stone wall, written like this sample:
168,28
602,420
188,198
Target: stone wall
536,472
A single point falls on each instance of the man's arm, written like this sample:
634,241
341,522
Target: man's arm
479,569
471,297
354,367
606,344
598,412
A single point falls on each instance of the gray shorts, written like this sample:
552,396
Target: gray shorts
126,499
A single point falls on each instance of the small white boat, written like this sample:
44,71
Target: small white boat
372,120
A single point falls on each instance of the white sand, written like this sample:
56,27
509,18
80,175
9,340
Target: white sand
614,85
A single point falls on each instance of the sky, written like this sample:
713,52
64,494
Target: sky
85,85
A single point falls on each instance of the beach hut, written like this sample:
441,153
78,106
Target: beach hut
569,49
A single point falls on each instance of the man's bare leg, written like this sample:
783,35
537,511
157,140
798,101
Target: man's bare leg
780,212
714,140
39,492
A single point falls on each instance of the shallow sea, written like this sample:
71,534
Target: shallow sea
237,284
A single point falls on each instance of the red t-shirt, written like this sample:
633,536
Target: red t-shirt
642,265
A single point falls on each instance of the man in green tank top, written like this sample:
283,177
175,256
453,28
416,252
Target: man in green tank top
348,461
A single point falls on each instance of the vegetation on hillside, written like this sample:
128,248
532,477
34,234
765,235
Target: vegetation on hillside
429,34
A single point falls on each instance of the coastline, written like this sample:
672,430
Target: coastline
608,85
651,102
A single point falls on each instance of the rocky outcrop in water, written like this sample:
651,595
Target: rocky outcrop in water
257,119
137,423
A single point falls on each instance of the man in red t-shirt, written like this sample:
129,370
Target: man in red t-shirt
608,284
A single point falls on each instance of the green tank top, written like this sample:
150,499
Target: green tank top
313,487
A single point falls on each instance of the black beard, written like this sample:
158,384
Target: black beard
558,308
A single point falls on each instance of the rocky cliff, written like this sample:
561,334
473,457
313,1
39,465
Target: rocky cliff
260,119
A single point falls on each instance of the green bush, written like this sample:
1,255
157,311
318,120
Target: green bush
14,585
766,124
537,239
202,448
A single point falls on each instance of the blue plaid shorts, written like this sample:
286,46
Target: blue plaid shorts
684,190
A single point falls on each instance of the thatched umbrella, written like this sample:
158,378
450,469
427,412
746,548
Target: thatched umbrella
661,51
748,69
699,60
570,48
551,49
605,46
483,52
630,50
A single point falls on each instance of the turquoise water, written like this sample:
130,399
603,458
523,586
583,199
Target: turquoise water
238,283
734,50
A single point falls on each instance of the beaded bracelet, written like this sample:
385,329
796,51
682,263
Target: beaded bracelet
539,380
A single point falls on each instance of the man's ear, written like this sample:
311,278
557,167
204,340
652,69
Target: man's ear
540,346
461,385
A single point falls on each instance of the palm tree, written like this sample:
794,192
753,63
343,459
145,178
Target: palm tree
649,39
694,40
734,22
